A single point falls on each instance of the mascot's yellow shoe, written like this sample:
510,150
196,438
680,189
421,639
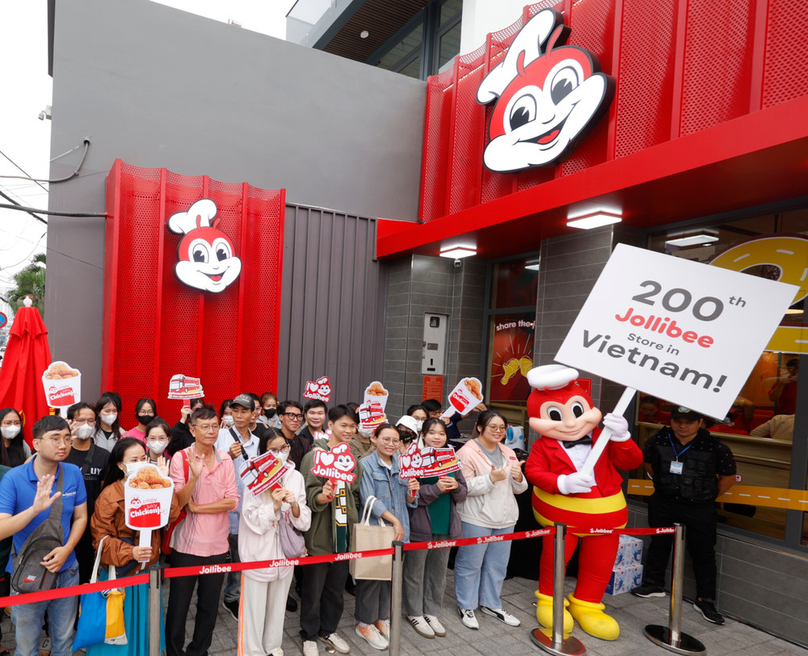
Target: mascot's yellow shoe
593,620
544,612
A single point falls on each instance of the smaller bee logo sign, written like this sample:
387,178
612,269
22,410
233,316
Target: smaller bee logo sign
207,258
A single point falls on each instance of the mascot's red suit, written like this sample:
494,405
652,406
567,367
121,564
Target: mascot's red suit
562,413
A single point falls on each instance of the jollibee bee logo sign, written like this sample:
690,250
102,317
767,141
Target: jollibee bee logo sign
207,257
548,97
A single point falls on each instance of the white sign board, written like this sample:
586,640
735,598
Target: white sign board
683,331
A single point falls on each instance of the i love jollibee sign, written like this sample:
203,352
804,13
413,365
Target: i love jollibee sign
686,332
319,389
338,464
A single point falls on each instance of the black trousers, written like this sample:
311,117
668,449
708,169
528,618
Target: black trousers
180,595
321,600
699,521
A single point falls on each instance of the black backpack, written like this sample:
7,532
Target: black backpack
30,574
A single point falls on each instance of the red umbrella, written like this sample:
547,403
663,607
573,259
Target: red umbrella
27,357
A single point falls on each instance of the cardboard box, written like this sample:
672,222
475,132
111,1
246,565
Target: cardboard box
629,552
624,579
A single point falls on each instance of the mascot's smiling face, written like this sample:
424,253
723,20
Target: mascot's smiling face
549,96
559,408
207,259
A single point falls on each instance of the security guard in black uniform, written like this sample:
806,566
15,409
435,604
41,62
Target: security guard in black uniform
690,469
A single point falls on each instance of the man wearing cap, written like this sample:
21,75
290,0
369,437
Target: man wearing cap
690,468
237,441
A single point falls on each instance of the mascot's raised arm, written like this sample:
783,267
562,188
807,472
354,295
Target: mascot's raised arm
563,414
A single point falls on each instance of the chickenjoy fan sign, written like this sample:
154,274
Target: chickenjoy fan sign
683,331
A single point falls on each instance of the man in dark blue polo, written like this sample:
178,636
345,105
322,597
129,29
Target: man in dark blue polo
25,501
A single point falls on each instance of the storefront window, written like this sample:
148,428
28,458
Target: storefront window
515,283
759,427
400,56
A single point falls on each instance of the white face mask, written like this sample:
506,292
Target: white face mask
10,432
133,467
157,447
282,456
366,433
419,424
228,420
84,431
109,419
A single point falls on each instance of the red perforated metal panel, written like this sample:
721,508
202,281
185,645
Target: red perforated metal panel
645,80
437,138
718,61
786,52
158,326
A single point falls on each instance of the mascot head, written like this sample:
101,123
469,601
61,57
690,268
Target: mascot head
558,407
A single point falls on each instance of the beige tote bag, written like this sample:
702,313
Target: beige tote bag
367,537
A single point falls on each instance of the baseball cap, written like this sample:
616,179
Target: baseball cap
686,413
245,401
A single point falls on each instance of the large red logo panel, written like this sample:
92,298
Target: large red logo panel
154,325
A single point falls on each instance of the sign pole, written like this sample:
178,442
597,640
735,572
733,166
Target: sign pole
603,441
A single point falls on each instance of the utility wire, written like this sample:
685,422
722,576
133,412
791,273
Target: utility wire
11,266
65,179
20,168
30,210
18,206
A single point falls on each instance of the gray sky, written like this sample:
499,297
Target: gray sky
27,89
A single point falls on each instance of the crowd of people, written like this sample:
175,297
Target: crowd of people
81,461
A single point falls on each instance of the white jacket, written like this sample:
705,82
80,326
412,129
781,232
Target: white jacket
488,504
258,526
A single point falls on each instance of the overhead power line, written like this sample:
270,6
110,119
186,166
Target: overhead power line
31,210
65,179
18,206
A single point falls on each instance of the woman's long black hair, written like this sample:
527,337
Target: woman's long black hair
113,473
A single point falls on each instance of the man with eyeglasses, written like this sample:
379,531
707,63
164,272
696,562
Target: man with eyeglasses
238,440
291,414
25,503
205,484
91,459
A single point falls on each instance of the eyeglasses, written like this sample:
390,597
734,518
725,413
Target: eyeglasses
56,441
283,449
390,440
207,428
496,429
293,416
80,422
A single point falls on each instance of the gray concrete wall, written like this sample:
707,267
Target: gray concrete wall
158,87
420,284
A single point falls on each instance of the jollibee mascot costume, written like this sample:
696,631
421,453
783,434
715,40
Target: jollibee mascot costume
562,413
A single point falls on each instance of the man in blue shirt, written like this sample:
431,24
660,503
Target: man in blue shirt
25,501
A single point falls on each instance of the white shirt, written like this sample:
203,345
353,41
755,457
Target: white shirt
250,447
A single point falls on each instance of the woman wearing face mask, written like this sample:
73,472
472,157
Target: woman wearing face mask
145,411
11,429
269,409
157,435
435,518
260,621
419,413
120,546
226,414
108,424
380,479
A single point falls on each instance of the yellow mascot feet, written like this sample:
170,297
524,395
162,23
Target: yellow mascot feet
544,612
593,620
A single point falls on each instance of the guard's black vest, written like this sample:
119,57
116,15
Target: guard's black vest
697,483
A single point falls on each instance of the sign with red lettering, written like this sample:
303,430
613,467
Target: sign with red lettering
185,387
62,385
147,498
263,472
319,389
466,396
338,464
429,461
686,332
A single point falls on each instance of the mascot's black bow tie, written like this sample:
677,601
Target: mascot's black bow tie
583,440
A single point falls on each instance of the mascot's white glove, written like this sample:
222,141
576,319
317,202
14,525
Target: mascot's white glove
619,427
577,483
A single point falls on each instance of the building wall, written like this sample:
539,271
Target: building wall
333,304
420,284
159,87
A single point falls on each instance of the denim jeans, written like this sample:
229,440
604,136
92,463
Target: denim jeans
480,568
62,613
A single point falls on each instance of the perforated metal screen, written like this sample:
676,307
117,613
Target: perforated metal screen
154,325
681,66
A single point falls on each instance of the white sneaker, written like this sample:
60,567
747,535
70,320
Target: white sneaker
337,643
310,648
468,618
421,626
383,626
435,625
370,633
501,615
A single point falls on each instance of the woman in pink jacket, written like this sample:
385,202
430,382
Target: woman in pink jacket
493,476
264,591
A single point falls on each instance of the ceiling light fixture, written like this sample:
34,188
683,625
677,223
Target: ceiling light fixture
364,34
594,220
692,240
458,252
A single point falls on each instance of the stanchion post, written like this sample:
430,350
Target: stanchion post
396,592
554,641
155,594
671,637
